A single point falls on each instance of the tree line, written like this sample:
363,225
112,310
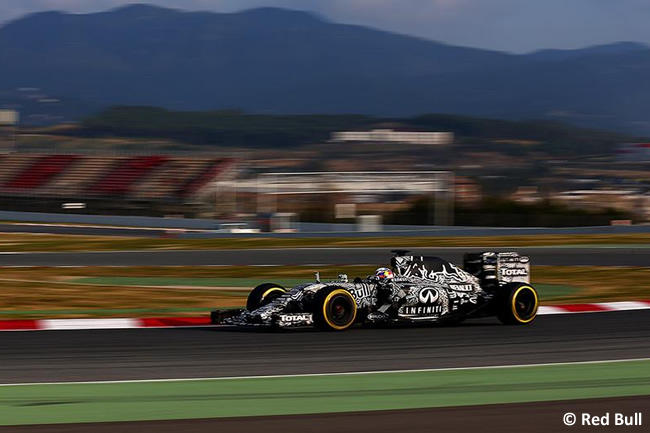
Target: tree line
239,129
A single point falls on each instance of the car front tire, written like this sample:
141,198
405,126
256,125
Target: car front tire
334,309
518,305
264,294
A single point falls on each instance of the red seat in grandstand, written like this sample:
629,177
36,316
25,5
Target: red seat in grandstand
210,173
119,180
40,172
164,183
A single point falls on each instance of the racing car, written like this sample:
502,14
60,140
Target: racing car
415,289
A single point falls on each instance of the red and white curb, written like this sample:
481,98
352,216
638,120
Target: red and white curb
126,323
603,307
178,322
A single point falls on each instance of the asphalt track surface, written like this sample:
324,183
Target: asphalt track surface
55,356
553,256
541,417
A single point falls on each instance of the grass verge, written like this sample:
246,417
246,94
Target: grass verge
213,398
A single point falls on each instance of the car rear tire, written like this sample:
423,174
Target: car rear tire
263,294
518,305
334,309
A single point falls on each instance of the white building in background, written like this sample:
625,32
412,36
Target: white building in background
8,130
9,117
392,136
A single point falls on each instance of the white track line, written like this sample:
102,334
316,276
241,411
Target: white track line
347,373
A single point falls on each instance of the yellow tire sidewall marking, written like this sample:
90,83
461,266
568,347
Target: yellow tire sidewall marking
271,290
327,301
514,309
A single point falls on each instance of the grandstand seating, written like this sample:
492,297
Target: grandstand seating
142,178
194,184
12,164
40,171
166,182
76,179
118,181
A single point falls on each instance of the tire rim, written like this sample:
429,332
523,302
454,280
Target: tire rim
340,310
524,304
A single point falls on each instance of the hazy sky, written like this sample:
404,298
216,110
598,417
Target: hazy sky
508,25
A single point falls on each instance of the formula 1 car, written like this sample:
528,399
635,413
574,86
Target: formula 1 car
430,290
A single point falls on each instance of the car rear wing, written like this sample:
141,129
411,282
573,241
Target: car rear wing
497,269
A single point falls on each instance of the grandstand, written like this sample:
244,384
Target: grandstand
152,184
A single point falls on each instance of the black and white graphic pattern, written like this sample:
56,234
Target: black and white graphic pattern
424,288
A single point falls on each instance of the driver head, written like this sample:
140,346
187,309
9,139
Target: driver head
384,275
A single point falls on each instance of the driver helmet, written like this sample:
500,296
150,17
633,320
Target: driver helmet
384,275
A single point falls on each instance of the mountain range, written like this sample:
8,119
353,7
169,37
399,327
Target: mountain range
272,60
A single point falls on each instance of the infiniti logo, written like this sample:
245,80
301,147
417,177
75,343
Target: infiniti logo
428,296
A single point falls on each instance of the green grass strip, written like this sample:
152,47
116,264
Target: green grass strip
210,398
550,291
